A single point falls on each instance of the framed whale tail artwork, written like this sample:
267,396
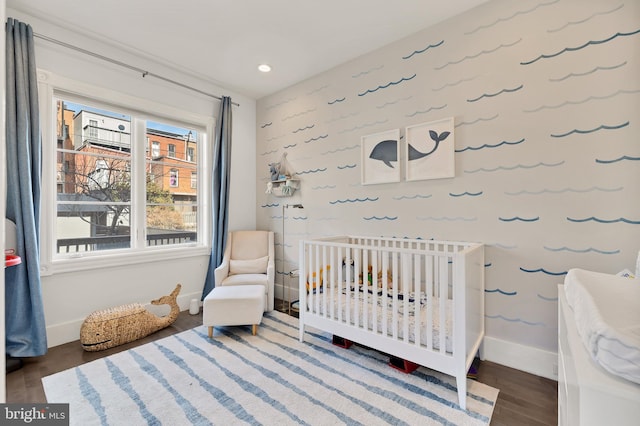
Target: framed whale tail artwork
430,150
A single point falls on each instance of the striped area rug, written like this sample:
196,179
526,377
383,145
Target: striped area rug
269,379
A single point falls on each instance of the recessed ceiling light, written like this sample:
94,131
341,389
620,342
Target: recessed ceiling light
264,67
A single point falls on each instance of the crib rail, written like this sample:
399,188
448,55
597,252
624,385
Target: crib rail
398,289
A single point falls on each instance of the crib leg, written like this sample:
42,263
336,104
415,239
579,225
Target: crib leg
301,332
461,382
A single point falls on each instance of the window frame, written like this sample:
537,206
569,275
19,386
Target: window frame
174,183
52,86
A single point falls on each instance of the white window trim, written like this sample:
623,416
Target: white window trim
48,83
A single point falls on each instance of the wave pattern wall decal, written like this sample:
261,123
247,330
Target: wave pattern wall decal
302,129
318,170
544,271
362,126
299,114
466,194
587,250
336,101
391,83
518,320
418,52
477,120
483,146
449,218
582,46
394,102
343,149
588,18
604,221
425,111
369,71
547,299
590,98
342,117
317,138
347,166
455,83
517,166
565,190
502,292
381,218
411,197
492,95
584,132
585,73
477,55
519,219
617,160
354,200
510,17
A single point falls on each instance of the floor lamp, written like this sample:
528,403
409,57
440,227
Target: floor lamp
286,206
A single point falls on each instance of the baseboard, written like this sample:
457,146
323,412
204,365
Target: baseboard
59,334
282,293
525,358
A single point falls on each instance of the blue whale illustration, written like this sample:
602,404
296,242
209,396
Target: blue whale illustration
387,150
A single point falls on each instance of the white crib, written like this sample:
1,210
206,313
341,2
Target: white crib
373,291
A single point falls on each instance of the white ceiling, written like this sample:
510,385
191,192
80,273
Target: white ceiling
223,41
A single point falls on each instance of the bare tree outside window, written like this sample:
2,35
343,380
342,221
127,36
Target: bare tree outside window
94,180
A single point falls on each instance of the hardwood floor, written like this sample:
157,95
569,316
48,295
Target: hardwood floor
524,399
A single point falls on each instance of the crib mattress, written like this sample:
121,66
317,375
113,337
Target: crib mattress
387,303
607,315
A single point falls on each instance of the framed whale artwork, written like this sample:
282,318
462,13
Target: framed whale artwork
430,150
381,157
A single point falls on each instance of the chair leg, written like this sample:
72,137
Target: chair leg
210,331
254,329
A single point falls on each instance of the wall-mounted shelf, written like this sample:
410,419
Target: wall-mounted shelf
284,187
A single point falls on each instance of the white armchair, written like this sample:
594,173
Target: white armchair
249,259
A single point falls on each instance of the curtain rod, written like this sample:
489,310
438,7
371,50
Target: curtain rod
143,72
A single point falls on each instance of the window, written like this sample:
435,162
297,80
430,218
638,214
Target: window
172,150
173,178
194,180
112,200
191,154
93,129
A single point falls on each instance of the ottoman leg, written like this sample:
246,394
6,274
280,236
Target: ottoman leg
254,329
210,331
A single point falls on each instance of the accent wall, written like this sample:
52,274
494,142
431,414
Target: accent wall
545,101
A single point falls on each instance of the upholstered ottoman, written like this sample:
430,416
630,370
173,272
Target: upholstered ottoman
234,305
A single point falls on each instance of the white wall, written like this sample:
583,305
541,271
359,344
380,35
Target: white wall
542,197
70,297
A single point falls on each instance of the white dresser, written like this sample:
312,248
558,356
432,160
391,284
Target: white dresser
587,394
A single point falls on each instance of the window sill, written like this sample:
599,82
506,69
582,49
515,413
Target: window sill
111,260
